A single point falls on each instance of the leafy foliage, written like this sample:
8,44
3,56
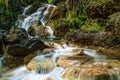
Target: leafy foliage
9,10
92,25
50,1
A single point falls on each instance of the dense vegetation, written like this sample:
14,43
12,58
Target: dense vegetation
9,11
77,17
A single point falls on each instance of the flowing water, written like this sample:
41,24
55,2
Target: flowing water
22,73
74,73
39,15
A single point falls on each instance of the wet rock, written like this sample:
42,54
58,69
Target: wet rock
88,38
73,52
53,45
70,59
17,50
41,64
30,56
23,52
12,39
37,29
15,36
67,61
25,48
32,31
22,33
115,53
96,70
47,51
21,17
2,41
14,61
43,32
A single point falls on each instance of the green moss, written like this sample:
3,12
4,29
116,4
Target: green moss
50,1
92,25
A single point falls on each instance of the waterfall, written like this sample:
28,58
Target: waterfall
40,15
27,21
43,73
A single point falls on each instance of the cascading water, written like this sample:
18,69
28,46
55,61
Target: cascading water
85,72
75,72
39,15
22,73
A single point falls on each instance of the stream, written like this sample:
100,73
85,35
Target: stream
49,69
22,73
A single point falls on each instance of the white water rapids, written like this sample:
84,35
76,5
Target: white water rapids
39,15
22,73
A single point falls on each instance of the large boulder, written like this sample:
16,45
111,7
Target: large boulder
88,38
26,48
71,56
46,64
68,61
23,51
37,29
17,50
96,70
